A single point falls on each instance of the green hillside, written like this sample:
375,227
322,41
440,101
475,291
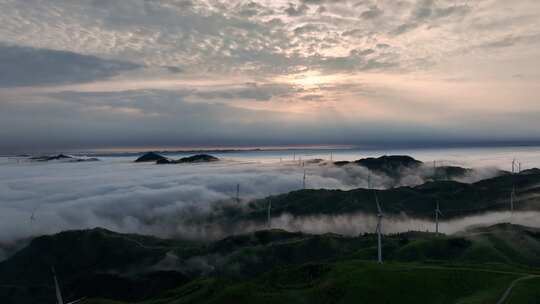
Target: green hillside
273,266
456,199
349,282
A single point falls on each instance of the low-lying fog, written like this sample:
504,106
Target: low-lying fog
115,193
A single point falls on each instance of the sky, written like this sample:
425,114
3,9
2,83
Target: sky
150,73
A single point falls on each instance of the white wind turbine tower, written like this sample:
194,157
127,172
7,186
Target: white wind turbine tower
379,230
33,217
32,220
437,214
59,299
513,192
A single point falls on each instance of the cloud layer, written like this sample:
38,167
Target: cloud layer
26,66
305,71
164,200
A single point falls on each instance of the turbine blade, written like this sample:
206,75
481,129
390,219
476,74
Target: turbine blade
76,301
59,299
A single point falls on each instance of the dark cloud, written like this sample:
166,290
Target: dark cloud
358,60
78,120
174,69
26,66
371,13
308,28
296,10
251,9
251,91
313,97
354,32
429,11
155,118
309,2
511,41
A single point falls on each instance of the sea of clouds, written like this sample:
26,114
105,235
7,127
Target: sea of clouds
168,200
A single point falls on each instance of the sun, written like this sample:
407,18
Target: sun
309,79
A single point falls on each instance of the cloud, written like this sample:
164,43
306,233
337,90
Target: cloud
401,51
251,91
511,41
164,200
359,60
296,10
121,195
173,69
426,12
308,28
26,66
372,12
79,120
252,36
355,224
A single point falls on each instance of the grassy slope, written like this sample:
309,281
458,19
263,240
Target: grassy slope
349,282
276,266
456,199
431,270
526,292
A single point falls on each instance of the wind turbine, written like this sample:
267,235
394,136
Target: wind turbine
32,220
33,216
59,299
379,230
304,180
437,214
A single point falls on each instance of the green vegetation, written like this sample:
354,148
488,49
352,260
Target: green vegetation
199,158
526,292
349,282
274,266
456,199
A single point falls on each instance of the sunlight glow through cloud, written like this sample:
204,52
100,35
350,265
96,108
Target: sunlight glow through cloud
329,70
